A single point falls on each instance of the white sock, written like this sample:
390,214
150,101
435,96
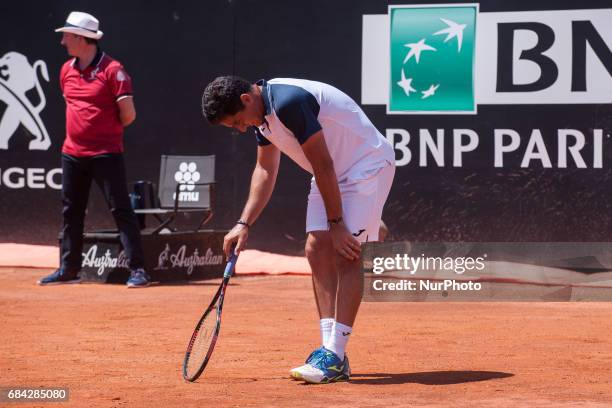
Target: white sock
339,337
326,328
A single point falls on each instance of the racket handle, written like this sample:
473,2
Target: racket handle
231,264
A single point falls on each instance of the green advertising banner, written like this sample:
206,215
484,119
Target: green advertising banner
432,58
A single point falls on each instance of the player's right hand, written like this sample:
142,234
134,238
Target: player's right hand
344,243
238,236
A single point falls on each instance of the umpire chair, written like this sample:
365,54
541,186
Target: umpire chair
186,185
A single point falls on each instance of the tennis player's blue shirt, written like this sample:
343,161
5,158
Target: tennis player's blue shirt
296,109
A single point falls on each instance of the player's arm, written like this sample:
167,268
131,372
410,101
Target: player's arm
322,164
127,110
263,180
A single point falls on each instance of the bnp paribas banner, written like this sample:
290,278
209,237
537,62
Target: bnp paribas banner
445,53
496,69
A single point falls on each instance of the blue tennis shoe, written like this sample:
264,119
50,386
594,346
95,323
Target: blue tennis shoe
138,279
296,373
60,276
325,368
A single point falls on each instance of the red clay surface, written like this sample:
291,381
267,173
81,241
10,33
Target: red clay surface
115,347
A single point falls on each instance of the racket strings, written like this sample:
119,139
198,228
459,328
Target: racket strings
201,344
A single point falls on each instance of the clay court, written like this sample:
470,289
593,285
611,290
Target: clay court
115,347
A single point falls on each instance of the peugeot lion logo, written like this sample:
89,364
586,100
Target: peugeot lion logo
17,77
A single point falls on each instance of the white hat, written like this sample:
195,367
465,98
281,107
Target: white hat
82,24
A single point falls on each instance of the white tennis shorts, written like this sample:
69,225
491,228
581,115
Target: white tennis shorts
362,204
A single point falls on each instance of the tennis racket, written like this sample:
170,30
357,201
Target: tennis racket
204,337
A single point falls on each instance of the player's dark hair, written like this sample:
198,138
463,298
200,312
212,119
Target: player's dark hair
222,97
90,40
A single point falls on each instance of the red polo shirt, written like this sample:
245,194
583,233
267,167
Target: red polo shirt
92,115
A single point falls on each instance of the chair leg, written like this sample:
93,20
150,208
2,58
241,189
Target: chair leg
205,220
163,224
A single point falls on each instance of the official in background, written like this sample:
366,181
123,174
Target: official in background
99,104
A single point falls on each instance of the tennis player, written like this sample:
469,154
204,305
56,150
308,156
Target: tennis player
327,134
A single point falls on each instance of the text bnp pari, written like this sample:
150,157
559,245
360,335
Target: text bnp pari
560,148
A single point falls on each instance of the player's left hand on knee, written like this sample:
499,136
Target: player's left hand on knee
344,243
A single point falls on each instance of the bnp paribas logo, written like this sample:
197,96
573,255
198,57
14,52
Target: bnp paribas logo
432,58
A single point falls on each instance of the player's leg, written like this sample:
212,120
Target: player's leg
109,174
320,255
358,209
325,365
362,204
348,299
326,264
76,182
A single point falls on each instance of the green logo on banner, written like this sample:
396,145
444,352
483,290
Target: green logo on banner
432,59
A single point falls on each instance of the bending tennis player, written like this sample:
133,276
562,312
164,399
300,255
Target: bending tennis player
327,134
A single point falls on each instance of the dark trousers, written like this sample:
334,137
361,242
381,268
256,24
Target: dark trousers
108,171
